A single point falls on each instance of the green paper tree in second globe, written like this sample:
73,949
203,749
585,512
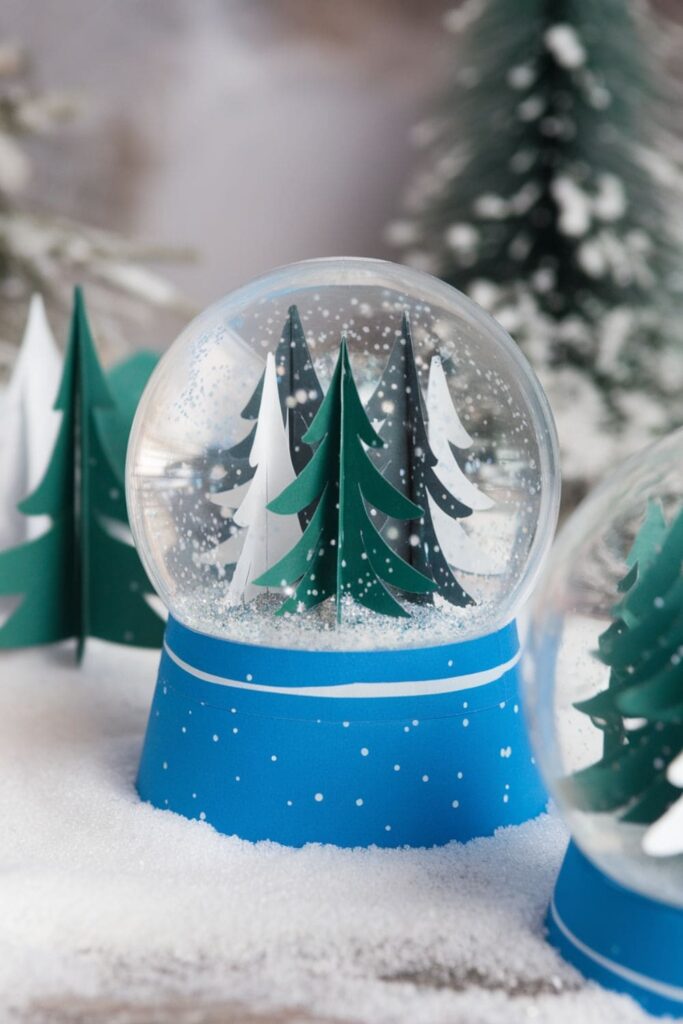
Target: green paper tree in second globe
641,711
79,578
341,552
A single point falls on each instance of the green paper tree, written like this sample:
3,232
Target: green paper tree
641,711
80,578
550,191
407,461
341,551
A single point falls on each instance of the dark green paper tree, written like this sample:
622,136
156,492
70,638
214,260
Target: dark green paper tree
407,462
641,711
79,579
341,552
300,397
551,191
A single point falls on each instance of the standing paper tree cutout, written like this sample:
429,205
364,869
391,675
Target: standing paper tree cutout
341,552
408,462
30,426
447,433
261,537
300,396
78,579
641,710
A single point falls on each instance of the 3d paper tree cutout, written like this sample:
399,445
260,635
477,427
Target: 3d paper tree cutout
341,552
641,710
30,426
261,537
300,395
78,579
409,464
447,433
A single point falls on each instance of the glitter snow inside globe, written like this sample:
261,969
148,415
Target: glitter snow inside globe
605,696
342,480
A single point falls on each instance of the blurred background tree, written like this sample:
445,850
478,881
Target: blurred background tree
551,191
42,250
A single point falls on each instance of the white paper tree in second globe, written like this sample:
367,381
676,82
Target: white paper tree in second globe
446,432
261,537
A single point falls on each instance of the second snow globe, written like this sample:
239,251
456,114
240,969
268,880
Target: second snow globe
342,480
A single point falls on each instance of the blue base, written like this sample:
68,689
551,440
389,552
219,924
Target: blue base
393,748
614,936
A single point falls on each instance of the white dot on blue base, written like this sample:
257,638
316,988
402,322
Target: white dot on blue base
249,677
318,797
359,802
289,803
425,778
415,722
456,803
235,730
237,778
202,815
465,722
183,728
233,711
215,737
406,728
273,757
194,796
346,724
387,828
460,775
364,751
397,767
164,765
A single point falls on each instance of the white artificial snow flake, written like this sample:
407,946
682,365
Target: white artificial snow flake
461,238
563,42
574,206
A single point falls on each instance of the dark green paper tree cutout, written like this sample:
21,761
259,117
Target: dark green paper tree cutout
300,398
407,462
341,552
79,579
642,648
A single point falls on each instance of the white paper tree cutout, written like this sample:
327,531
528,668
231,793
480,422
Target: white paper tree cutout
261,537
665,837
30,426
445,433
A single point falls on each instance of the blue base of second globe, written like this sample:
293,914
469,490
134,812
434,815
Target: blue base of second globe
618,938
396,747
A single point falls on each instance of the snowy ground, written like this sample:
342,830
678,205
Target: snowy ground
111,911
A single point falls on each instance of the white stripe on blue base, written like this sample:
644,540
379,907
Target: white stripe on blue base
419,688
660,988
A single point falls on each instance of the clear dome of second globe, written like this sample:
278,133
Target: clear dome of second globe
592,652
498,449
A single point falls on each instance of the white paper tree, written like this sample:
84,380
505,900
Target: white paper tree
261,537
665,837
30,426
446,432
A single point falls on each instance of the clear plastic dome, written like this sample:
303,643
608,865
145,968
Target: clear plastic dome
417,460
604,673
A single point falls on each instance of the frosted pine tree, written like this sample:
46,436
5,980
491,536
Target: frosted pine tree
552,194
261,537
446,433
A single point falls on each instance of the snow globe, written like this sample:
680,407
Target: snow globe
604,691
342,480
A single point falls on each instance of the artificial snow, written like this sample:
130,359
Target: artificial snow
114,910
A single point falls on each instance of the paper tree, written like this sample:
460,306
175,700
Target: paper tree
79,579
641,711
261,537
447,433
408,462
341,552
30,426
300,396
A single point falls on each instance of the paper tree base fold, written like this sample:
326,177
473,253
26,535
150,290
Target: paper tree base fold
618,938
407,747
